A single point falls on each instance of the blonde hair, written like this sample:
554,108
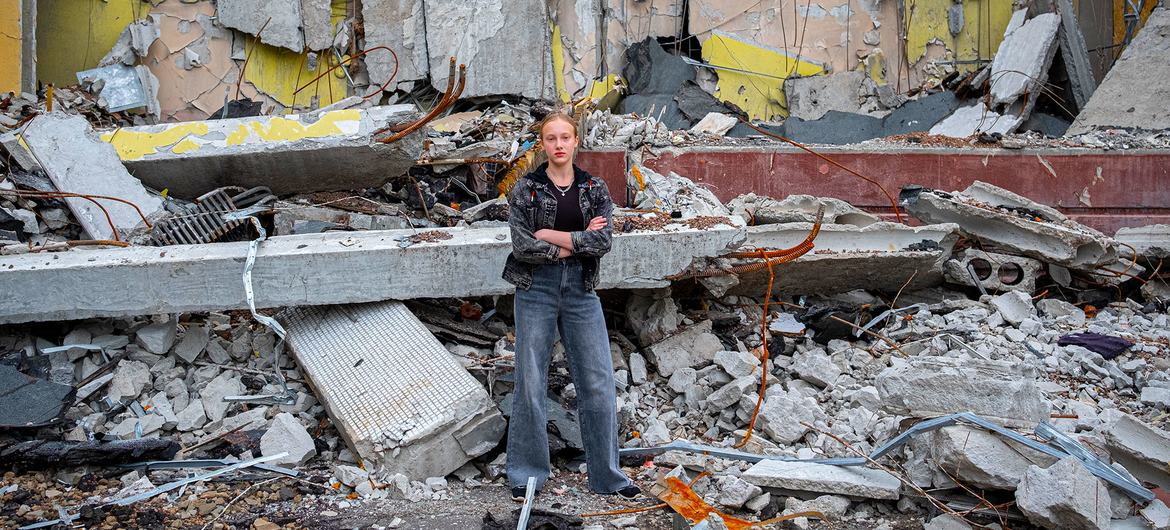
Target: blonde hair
554,116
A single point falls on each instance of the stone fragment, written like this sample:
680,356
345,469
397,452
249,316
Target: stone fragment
191,417
1061,310
946,521
820,478
734,492
1156,396
157,338
225,384
1157,514
714,123
159,404
729,394
783,414
832,506
682,379
1023,58
926,387
809,98
737,363
692,347
981,458
1142,449
1015,306
194,341
816,367
637,368
130,378
652,314
350,475
1064,496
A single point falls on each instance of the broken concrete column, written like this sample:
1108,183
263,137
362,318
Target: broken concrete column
1064,496
317,269
334,150
504,44
1150,241
994,272
925,387
70,153
820,478
399,399
1000,218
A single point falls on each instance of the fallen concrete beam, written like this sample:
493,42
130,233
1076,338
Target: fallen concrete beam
881,256
70,153
290,154
313,269
1151,241
396,395
1000,218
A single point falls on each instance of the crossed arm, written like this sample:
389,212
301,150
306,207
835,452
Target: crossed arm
564,240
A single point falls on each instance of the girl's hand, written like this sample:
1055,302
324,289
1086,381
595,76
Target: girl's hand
539,234
564,252
597,223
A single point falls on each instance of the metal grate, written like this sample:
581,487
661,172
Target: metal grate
203,221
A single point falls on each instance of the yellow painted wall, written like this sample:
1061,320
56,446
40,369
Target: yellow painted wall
984,22
73,35
10,46
760,94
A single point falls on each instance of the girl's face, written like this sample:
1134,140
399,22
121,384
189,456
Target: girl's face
559,141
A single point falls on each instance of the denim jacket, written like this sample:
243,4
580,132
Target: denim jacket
532,206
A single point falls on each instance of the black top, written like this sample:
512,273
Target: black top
569,218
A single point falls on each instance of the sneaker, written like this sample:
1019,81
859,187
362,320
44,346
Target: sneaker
630,492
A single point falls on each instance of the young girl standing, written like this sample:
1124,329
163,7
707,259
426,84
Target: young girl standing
561,219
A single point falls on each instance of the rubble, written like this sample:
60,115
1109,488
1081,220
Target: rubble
933,386
819,478
993,272
691,348
287,434
982,459
1064,495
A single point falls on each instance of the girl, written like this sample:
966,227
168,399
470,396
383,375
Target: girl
560,218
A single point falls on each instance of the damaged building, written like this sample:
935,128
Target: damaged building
875,263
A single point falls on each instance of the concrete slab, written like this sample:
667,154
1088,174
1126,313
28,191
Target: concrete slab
396,395
294,24
77,162
926,387
1023,59
809,98
846,257
1075,54
974,119
313,269
290,154
995,272
1000,218
400,26
504,43
1133,94
820,478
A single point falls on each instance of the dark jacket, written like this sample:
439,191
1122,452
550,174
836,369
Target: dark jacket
532,206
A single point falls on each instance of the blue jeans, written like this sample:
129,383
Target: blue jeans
558,301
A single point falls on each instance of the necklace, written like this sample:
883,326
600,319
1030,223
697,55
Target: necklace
563,190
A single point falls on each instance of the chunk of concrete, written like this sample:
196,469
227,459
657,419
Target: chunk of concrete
714,123
191,417
809,98
157,338
763,210
1000,218
287,434
993,271
77,162
690,348
1075,54
1133,94
925,387
396,395
821,478
973,119
737,363
1142,449
1064,496
1157,514
675,192
195,340
729,394
652,314
1014,306
816,367
225,384
476,31
1022,61
130,378
783,415
982,459
734,492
